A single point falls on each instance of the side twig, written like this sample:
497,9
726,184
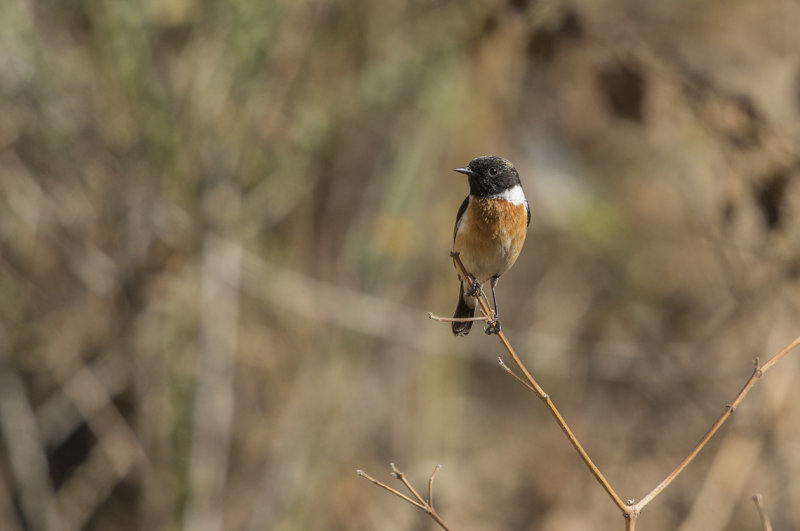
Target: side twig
534,385
454,319
762,513
430,484
418,501
515,375
629,510
758,372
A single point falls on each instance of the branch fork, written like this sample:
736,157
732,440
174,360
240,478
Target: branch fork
418,501
630,509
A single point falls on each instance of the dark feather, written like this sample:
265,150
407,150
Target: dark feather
528,210
463,310
461,210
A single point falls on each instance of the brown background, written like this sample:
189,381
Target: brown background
222,226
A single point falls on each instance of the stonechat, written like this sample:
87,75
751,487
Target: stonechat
490,230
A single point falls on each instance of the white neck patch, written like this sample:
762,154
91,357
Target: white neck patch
513,195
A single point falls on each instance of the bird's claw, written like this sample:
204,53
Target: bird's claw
476,290
493,326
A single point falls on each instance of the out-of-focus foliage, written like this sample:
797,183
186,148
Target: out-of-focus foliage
222,225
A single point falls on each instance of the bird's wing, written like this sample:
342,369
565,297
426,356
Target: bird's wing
461,210
528,210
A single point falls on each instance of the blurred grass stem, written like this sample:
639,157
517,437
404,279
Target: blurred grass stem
215,368
758,499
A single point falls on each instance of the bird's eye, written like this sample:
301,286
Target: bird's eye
492,171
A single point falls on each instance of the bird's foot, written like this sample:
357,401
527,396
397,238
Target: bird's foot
476,290
493,326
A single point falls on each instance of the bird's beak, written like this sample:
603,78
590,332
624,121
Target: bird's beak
465,171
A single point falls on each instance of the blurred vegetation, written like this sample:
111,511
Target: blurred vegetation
223,224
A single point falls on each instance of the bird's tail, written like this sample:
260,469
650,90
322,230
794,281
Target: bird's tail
461,328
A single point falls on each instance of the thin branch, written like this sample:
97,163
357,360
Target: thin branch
758,372
546,399
515,375
420,503
768,365
390,489
430,484
402,477
455,319
630,510
762,513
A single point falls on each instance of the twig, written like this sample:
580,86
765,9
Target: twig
402,477
430,484
390,489
759,501
420,503
630,510
455,319
534,385
758,372
515,375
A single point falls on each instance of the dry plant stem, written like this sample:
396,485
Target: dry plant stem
454,319
514,375
430,484
426,506
546,399
402,477
759,501
390,489
758,372
630,511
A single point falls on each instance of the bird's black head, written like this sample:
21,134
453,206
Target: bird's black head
490,176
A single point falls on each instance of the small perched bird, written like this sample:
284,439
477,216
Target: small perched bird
491,226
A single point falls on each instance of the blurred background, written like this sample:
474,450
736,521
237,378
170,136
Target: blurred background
222,226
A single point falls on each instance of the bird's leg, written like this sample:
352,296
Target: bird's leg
494,325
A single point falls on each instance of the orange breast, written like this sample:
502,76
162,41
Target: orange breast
490,236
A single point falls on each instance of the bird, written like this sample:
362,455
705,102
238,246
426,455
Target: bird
489,233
